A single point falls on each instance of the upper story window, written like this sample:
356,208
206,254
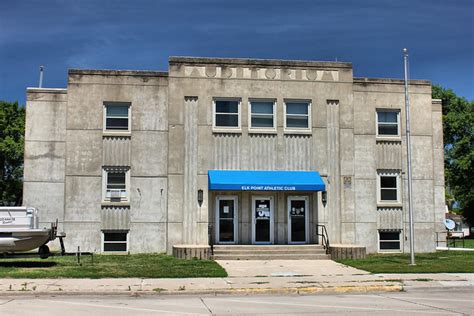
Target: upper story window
388,123
297,115
117,117
116,184
389,187
262,115
226,113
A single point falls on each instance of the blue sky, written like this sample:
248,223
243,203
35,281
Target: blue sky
141,34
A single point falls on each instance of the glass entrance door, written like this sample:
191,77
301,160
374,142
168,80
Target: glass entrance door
298,220
262,209
226,219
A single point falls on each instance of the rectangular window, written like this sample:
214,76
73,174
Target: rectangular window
116,241
226,113
262,114
389,241
389,187
388,123
116,183
117,117
297,115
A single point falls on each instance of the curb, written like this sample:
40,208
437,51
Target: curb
215,292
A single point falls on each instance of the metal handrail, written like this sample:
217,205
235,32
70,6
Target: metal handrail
210,232
324,235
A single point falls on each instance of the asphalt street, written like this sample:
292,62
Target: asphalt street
420,302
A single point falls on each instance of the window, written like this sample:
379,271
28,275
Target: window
389,187
116,117
115,241
227,113
262,114
116,183
297,115
389,241
388,123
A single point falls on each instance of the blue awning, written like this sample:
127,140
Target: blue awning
250,180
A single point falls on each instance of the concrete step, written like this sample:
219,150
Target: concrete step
272,257
269,251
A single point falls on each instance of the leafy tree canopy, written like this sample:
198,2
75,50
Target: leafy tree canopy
458,129
12,130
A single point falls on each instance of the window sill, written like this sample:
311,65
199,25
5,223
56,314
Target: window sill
389,205
390,251
397,139
262,131
112,133
217,130
121,204
298,132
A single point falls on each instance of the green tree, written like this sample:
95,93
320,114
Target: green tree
458,129
12,131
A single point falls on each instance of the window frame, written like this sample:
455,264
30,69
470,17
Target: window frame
104,118
306,130
386,173
400,241
379,110
127,241
274,116
225,129
125,196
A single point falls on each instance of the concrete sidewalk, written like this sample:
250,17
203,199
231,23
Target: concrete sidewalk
249,277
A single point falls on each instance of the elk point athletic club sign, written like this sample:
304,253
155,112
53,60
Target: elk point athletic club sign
267,188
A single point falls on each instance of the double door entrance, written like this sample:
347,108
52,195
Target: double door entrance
262,220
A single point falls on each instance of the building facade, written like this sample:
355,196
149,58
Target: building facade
140,161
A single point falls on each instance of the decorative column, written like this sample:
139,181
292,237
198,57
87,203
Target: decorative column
191,207
334,172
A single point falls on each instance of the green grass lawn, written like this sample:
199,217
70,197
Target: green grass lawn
468,243
437,262
110,266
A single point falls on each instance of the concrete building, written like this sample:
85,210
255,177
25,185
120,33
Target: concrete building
140,161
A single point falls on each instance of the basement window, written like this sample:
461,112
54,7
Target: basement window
389,241
115,241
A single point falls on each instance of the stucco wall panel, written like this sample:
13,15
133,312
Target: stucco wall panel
389,155
149,154
83,198
84,152
115,218
116,151
148,199
227,151
45,121
44,161
48,198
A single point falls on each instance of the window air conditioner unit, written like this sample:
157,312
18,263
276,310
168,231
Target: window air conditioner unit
115,194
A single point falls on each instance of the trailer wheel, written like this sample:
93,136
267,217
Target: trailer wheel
43,252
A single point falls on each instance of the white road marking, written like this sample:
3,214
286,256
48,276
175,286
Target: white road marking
346,307
121,307
436,299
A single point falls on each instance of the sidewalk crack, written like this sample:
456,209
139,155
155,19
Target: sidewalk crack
208,308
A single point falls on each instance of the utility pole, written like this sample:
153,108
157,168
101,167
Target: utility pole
408,132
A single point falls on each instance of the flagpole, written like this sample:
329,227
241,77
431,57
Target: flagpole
408,137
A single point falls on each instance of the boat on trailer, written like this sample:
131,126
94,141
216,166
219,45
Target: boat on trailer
20,231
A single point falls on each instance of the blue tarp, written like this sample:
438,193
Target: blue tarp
253,180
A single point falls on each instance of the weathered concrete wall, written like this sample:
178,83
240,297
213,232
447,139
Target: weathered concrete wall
45,153
372,154
143,151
